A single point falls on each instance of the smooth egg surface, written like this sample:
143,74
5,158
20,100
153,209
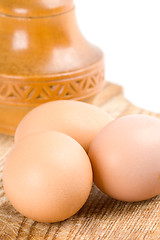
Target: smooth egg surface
47,176
125,157
81,121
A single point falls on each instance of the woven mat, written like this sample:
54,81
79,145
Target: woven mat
101,217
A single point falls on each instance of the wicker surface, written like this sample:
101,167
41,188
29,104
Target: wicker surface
101,217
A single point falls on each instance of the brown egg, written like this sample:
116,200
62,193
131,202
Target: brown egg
79,120
125,156
47,176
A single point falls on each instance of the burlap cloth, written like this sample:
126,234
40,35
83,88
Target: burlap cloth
101,217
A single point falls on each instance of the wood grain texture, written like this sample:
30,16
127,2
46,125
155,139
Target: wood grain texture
101,217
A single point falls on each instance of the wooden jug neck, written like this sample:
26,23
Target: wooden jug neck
34,8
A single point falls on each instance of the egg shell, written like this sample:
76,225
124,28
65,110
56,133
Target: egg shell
81,121
125,157
47,176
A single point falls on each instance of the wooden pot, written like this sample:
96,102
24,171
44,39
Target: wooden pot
43,57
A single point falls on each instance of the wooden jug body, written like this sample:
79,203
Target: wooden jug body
43,57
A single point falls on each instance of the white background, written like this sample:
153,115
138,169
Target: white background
128,32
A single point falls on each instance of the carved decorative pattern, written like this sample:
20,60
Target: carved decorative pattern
38,92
